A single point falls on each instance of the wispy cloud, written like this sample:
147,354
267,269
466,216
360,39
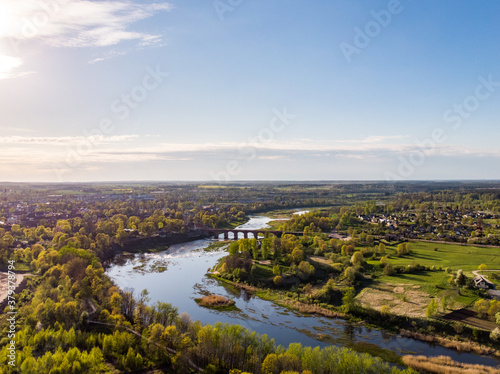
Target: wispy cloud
106,56
148,147
70,23
150,158
64,140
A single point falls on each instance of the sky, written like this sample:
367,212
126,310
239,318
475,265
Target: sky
230,90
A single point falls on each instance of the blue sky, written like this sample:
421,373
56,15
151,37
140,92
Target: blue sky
243,90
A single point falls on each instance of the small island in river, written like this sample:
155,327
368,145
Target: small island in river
216,302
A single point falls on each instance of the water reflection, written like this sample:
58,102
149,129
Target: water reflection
185,279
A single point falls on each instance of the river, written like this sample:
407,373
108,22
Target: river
184,278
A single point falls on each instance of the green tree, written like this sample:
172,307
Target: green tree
482,267
350,274
270,365
357,259
389,269
432,308
348,300
276,270
305,269
460,279
233,248
278,280
297,255
265,248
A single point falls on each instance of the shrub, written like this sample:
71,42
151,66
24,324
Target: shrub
495,334
278,280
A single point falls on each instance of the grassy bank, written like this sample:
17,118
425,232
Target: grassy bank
467,339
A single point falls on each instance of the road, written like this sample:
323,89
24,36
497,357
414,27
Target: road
4,283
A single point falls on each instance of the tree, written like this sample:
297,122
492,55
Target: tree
444,303
305,269
460,279
369,240
165,313
8,239
270,365
276,270
357,259
349,250
278,280
255,252
350,274
297,255
388,269
348,300
381,248
432,308
265,247
495,334
403,249
482,267
482,306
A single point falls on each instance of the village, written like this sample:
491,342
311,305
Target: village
447,225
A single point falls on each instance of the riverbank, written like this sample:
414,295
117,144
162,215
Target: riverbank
282,318
280,298
154,243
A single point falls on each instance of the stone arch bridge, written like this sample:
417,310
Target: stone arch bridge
255,232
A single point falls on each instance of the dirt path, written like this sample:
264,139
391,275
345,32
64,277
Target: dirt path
4,283
475,272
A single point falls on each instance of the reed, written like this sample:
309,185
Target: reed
445,365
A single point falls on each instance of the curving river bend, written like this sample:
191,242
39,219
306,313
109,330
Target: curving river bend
184,279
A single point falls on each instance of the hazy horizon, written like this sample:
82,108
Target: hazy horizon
239,91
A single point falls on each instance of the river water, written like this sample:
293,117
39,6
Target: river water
183,278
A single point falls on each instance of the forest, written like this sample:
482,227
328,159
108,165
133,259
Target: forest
71,318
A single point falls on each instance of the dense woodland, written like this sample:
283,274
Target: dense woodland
72,319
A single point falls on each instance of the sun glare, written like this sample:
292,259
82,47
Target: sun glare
7,63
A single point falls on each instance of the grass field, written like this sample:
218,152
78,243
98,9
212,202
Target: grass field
454,256
435,282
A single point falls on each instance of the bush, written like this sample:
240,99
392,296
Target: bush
495,334
389,270
278,280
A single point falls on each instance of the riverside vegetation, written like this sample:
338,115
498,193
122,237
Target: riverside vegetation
72,319
409,288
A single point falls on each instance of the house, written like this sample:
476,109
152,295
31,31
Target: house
483,283
494,294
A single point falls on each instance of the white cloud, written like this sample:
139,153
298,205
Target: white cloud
106,56
73,23
70,23
65,140
7,64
